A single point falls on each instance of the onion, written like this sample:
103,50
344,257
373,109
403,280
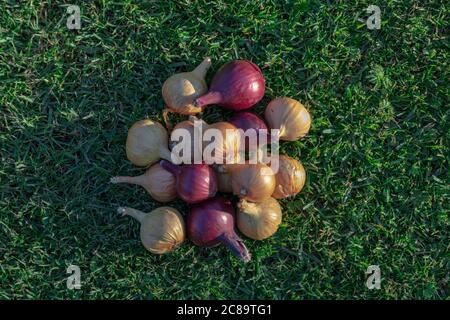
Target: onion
195,182
290,178
211,150
158,182
211,222
225,150
289,116
237,85
253,182
147,143
187,146
258,220
246,121
162,230
181,89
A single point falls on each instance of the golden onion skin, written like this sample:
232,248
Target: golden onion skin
290,178
180,90
147,142
252,182
258,221
289,116
162,230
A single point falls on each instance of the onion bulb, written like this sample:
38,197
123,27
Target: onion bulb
290,178
181,89
162,230
237,85
158,182
289,116
252,182
211,223
147,142
219,141
195,182
258,221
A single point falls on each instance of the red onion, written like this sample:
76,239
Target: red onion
195,182
238,85
211,223
247,120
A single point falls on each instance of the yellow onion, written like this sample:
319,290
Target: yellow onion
162,230
289,116
178,143
211,151
147,142
159,183
252,182
258,221
289,179
181,89
226,150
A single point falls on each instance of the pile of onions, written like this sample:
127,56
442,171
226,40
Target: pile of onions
211,223
158,182
258,221
195,182
162,230
290,177
147,142
289,116
181,89
252,182
237,85
247,121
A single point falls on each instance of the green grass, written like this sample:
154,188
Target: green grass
377,154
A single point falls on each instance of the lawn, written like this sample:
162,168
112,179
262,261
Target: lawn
377,155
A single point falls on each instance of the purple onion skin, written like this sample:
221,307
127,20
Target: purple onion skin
237,85
211,222
195,182
246,120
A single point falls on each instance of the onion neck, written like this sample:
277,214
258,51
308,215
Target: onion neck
236,245
202,68
212,97
164,153
138,215
172,168
126,179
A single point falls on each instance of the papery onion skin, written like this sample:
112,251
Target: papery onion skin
147,142
211,222
289,116
247,120
237,85
162,230
252,182
181,89
290,178
258,221
159,183
195,182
